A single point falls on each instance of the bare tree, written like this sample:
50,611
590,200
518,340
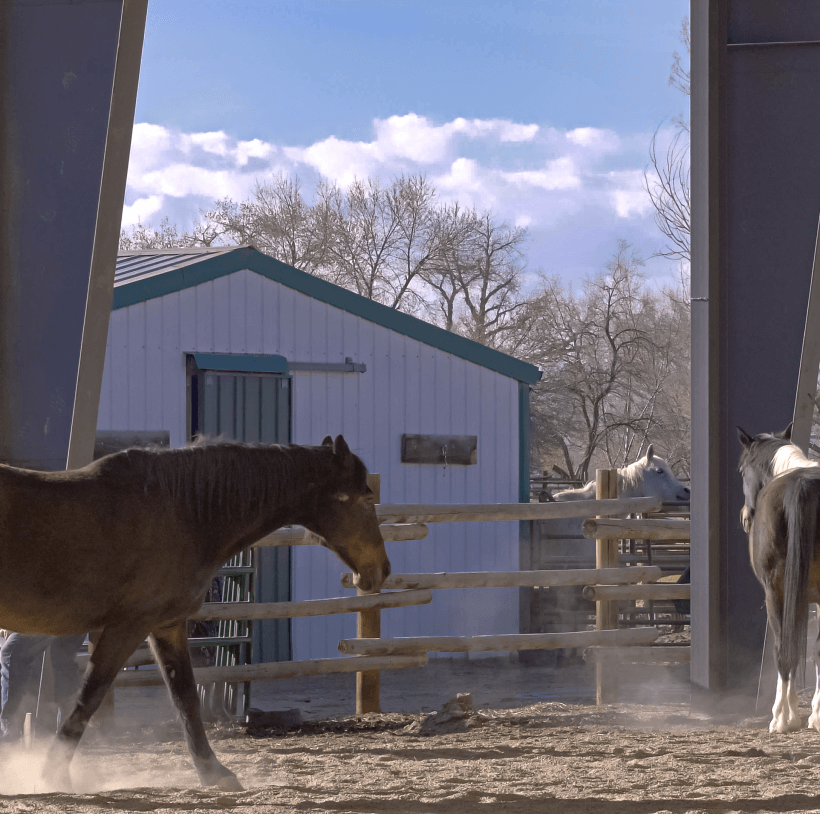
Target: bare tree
475,275
666,179
454,226
143,237
598,394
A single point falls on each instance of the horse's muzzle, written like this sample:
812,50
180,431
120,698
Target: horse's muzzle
371,579
746,517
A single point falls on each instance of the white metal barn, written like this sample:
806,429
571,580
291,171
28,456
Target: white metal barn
235,342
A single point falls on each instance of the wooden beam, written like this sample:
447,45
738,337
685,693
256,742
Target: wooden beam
606,556
311,607
299,535
660,591
278,669
637,528
497,643
518,579
461,513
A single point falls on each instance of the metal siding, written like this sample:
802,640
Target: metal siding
407,387
153,362
172,372
135,354
204,318
220,313
254,315
237,290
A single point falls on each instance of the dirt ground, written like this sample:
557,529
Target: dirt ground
529,738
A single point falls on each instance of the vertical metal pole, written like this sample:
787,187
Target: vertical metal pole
369,626
107,233
809,360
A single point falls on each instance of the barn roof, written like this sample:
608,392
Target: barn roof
145,275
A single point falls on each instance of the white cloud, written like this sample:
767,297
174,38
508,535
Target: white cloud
628,195
528,174
592,138
560,173
141,210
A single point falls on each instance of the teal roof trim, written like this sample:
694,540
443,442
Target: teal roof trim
241,362
140,289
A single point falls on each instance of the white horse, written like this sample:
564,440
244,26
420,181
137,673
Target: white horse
649,476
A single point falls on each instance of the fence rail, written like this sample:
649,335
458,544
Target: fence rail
517,579
366,654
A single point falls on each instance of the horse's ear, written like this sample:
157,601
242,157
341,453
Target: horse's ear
649,453
744,437
786,435
340,447
328,442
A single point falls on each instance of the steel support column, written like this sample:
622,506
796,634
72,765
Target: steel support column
755,205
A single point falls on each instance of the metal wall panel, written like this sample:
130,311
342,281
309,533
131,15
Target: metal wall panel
407,387
57,70
755,205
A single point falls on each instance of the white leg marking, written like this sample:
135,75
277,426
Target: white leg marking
814,718
785,717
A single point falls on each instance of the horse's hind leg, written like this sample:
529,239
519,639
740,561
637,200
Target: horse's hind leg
814,718
785,714
115,645
170,646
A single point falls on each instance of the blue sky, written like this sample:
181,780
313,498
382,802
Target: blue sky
539,111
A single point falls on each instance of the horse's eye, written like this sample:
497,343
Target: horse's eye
659,471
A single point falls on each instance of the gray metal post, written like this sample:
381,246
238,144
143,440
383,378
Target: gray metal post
57,64
755,199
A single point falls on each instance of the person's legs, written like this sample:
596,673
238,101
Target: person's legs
63,656
20,669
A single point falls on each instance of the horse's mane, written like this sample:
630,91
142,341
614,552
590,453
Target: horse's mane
771,450
790,457
629,476
208,478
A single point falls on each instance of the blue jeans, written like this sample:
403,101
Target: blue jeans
21,660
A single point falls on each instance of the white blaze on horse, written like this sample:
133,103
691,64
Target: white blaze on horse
649,476
781,515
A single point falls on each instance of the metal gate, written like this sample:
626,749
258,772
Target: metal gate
253,408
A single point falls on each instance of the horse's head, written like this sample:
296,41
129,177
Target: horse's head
654,478
344,514
761,459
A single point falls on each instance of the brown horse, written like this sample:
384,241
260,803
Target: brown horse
129,544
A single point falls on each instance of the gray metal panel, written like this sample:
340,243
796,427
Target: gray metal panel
767,21
57,62
140,265
756,199
253,408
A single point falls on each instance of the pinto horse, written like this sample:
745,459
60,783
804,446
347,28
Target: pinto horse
781,487
129,544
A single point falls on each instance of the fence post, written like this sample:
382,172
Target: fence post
606,614
369,626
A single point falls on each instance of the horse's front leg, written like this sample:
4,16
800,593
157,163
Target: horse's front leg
170,646
115,645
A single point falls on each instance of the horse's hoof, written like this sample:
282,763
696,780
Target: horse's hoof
229,783
784,727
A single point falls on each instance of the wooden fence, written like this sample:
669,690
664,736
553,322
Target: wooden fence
369,653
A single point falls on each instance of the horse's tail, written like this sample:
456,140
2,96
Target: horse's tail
801,502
